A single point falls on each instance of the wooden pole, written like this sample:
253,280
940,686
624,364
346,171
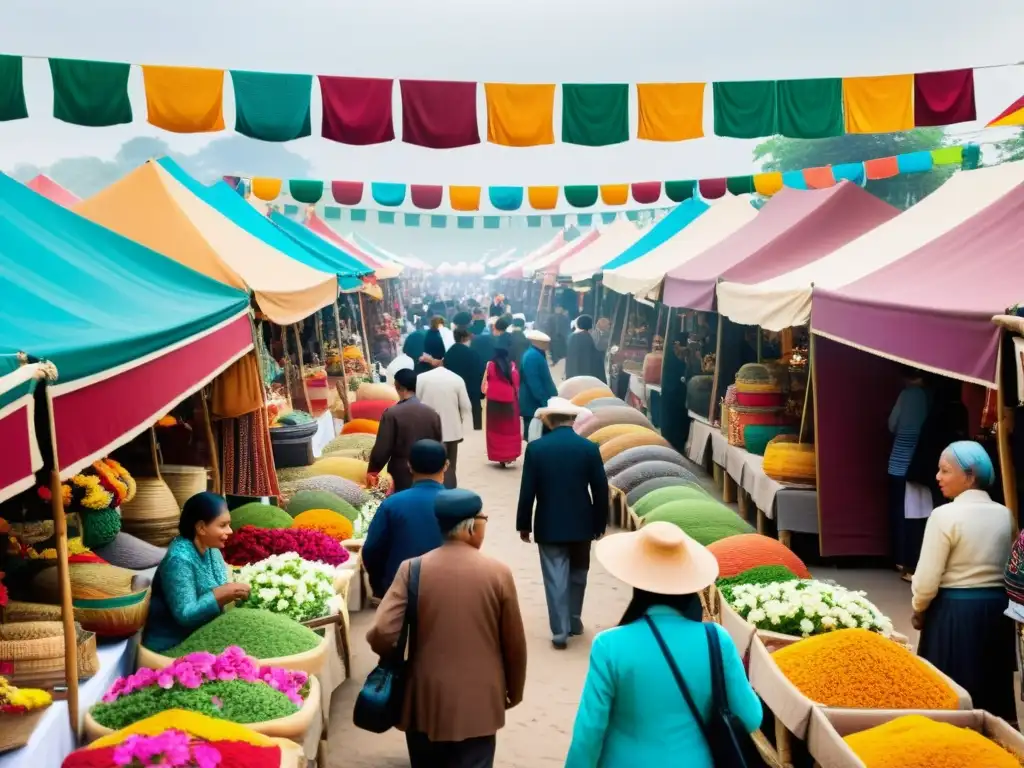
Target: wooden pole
812,382
1003,429
211,441
808,394
302,370
718,363
341,355
366,336
287,367
67,610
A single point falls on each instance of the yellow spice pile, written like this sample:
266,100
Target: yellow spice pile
859,669
916,741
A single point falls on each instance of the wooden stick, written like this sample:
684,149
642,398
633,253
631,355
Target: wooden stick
811,379
1003,429
718,362
287,367
366,336
341,355
212,441
808,386
154,451
67,610
302,370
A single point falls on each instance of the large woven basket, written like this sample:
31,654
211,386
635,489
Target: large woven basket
153,514
33,532
114,617
184,481
17,610
16,730
790,463
35,653
740,418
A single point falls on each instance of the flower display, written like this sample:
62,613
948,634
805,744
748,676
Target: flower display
761,574
173,749
261,634
805,607
289,585
250,545
327,521
365,516
16,701
229,754
194,724
104,485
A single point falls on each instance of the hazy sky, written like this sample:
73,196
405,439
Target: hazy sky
502,40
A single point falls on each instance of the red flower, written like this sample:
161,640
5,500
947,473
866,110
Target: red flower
250,545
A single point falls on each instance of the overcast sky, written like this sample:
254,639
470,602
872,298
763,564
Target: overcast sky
509,41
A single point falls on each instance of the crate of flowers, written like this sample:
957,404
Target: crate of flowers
20,712
229,686
842,738
179,738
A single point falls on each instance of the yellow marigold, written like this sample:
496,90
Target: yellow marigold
858,669
353,353
29,698
916,741
197,725
326,521
96,496
76,547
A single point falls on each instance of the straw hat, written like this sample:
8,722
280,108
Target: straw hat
660,558
561,407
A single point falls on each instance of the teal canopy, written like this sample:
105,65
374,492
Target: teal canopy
670,226
233,207
87,299
335,259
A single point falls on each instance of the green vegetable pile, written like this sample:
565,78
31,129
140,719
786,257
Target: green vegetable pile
762,574
260,516
261,634
705,520
303,501
235,700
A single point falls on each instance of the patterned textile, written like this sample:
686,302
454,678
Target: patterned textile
247,457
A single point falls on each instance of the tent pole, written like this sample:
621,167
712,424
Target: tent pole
811,382
211,440
302,369
287,366
67,611
718,362
1003,428
366,337
808,394
341,356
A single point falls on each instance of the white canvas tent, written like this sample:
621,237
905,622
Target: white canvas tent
614,239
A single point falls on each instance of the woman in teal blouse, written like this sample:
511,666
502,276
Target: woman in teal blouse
191,585
632,712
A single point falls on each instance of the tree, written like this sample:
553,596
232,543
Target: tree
1011,149
781,154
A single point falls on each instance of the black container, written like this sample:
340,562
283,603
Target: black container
293,445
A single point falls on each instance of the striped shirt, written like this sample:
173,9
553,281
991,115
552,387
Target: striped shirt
905,423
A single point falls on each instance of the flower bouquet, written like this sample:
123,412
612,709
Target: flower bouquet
20,701
250,545
229,686
287,584
365,516
805,607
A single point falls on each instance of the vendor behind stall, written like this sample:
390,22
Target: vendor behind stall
191,585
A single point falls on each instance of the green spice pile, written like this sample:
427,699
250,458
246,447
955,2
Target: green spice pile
260,516
235,700
761,574
261,634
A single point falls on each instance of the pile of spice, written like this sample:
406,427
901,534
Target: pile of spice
737,554
260,515
261,634
326,521
916,741
858,669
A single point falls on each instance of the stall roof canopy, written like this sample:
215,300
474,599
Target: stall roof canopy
381,270
151,207
616,238
22,458
130,331
383,255
933,307
793,228
552,262
327,255
785,300
51,190
706,227
520,267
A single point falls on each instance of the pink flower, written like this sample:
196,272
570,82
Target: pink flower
165,680
205,756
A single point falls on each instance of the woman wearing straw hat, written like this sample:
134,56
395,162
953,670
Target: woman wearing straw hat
632,711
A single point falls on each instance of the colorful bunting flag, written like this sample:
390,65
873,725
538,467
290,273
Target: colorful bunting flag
580,195
520,115
609,218
385,217
811,109
331,212
266,189
411,219
558,220
878,104
12,89
426,196
387,194
1012,115
543,198
347,192
646,192
464,198
595,115
271,106
678,191
492,222
768,184
746,110
358,214
90,93
439,114
184,99
533,221
915,162
740,185
584,219
464,222
944,98
794,180
306,190
670,111
438,222
881,168
852,172
506,198
357,110
819,178
948,155
711,189
615,194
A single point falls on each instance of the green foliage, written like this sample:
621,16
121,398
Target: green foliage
261,634
260,516
1009,150
761,574
782,154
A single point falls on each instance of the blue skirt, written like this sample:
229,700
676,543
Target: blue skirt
967,636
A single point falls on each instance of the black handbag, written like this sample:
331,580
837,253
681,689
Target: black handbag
726,736
379,704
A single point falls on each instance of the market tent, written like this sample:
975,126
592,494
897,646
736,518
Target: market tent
383,256
51,190
785,301
551,263
933,308
348,268
381,269
642,275
130,332
614,240
521,267
505,257
22,458
792,229
153,208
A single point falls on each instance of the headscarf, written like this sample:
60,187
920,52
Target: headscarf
502,363
973,459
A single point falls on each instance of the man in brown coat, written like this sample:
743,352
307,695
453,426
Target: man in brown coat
400,427
469,655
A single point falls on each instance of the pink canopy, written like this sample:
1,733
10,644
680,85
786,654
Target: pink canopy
522,266
794,228
933,307
321,227
51,190
555,260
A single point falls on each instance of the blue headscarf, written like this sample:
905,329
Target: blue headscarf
972,459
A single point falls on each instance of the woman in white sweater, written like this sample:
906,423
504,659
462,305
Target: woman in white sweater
959,598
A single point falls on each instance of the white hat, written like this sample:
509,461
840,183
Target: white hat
659,558
562,407
537,336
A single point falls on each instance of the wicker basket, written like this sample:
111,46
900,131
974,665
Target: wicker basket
33,532
184,481
153,514
789,462
17,610
740,418
39,664
114,617
16,730
756,377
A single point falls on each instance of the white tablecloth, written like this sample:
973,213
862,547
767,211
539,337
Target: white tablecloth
735,461
637,387
324,432
53,739
762,489
697,441
719,447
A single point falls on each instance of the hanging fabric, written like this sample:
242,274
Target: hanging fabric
439,114
90,93
543,198
746,110
271,106
615,194
595,115
347,192
520,115
811,109
357,110
426,197
12,89
670,111
944,98
464,198
184,99
580,195
878,104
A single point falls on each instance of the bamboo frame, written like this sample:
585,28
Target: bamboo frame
366,336
302,369
67,610
341,354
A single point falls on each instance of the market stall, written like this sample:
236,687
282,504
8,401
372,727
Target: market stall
588,262
22,457
383,270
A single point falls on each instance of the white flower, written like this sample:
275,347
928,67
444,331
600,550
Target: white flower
282,605
806,626
756,616
827,622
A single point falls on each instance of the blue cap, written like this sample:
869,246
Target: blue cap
427,457
454,506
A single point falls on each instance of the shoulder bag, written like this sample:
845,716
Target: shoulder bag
726,736
379,704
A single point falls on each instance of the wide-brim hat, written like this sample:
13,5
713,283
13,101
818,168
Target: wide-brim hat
561,407
537,336
659,558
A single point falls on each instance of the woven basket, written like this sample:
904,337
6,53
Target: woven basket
789,462
113,617
153,514
184,481
17,610
42,666
88,580
311,662
740,418
16,730
28,640
33,532
755,377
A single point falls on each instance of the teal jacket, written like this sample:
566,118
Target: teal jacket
182,599
632,714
